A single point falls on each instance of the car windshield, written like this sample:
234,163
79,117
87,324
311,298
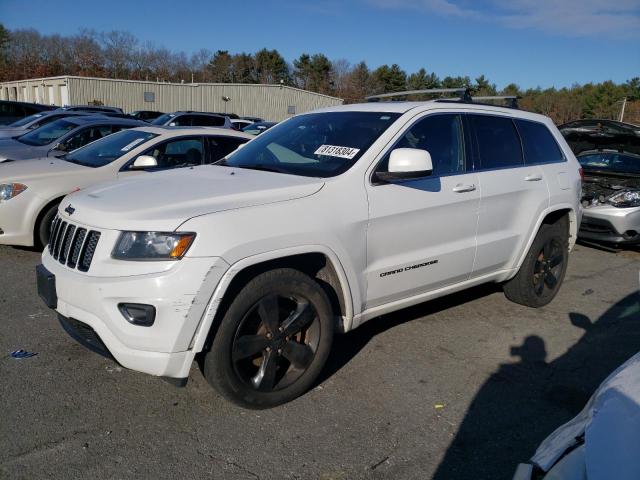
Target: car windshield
313,145
24,121
107,149
47,134
609,161
162,119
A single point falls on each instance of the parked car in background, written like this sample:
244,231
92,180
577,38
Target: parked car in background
321,223
610,197
62,136
30,192
91,108
239,124
192,119
258,128
253,119
11,111
34,121
595,125
230,115
146,115
601,442
583,135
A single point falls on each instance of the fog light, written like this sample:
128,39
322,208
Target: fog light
138,313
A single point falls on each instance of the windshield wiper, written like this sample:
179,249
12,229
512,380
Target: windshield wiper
263,168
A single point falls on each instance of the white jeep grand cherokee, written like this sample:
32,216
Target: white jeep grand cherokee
319,224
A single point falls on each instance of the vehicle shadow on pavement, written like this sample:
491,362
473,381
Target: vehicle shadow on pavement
524,401
346,347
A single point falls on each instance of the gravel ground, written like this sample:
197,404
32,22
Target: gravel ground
462,387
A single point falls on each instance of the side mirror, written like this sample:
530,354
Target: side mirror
144,161
61,147
172,124
406,164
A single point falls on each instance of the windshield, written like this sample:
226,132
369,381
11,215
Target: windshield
162,119
107,149
24,121
614,162
313,145
47,134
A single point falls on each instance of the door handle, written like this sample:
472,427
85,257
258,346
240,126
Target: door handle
461,188
533,178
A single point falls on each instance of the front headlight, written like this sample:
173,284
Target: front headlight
10,190
629,198
152,245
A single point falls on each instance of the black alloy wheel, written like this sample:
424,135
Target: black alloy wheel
548,267
272,341
275,342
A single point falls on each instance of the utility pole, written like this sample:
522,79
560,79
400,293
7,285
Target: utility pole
624,104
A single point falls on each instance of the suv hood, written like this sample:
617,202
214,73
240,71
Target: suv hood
164,200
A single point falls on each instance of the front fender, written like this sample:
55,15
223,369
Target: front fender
203,329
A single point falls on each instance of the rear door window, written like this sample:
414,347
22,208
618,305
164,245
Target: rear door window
222,146
538,144
182,121
498,144
208,121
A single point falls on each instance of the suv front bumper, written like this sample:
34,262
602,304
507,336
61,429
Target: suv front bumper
180,295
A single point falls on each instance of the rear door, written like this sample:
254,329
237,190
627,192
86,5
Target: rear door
512,194
541,149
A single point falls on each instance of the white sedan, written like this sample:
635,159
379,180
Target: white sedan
30,191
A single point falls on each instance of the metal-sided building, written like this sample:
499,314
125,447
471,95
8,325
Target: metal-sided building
271,102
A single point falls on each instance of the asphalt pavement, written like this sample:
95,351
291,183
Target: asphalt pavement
463,387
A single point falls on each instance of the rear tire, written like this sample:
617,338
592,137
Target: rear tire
43,229
543,270
273,340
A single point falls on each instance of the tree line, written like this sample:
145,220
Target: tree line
26,53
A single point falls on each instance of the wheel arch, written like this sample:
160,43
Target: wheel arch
319,262
550,216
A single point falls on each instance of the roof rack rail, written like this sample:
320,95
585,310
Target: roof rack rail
511,100
464,92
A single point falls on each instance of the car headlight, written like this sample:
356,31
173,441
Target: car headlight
152,245
629,198
10,190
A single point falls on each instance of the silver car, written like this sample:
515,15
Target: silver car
34,121
61,136
610,197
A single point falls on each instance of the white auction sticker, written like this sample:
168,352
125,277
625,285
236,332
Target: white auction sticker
334,151
128,147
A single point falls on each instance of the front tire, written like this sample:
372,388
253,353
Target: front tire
43,229
273,340
543,270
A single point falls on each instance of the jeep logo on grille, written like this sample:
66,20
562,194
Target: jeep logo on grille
70,210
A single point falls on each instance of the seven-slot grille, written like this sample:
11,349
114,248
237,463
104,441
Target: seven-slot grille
72,245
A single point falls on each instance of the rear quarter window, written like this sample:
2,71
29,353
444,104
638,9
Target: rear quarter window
538,143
